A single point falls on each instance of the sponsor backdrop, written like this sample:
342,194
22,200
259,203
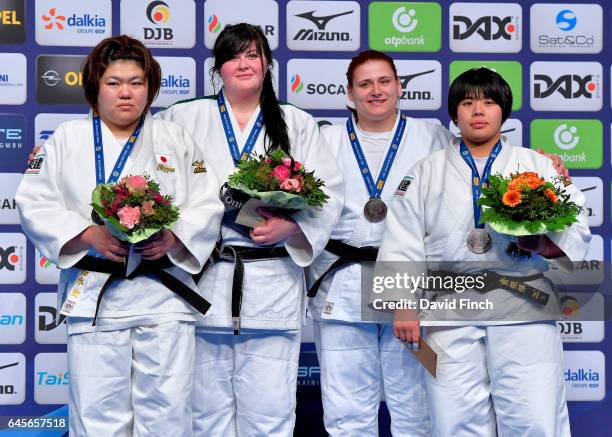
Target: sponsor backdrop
554,55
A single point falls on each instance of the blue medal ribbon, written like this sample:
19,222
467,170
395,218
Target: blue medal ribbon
477,181
375,189
123,156
229,132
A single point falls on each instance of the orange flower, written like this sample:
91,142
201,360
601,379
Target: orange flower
511,198
525,180
550,194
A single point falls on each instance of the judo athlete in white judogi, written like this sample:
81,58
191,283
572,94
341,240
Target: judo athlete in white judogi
131,373
358,354
499,371
246,383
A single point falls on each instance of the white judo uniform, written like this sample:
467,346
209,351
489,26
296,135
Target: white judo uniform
246,384
132,373
360,359
493,359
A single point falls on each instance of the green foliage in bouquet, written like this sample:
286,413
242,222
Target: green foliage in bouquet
526,204
278,179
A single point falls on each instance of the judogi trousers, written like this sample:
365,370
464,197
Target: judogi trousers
245,385
132,382
506,375
358,361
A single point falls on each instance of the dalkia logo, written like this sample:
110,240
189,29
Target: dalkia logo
544,86
581,375
214,25
296,83
321,23
489,28
53,19
9,258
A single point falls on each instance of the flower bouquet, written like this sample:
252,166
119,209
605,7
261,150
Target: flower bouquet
276,182
133,209
525,204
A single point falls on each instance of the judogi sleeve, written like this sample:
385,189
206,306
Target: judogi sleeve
201,210
404,234
45,217
316,223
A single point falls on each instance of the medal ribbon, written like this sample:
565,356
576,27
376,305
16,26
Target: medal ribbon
229,132
375,189
477,181
123,156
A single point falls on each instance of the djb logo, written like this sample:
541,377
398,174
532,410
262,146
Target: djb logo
585,87
8,258
565,137
484,27
404,21
566,20
296,83
158,13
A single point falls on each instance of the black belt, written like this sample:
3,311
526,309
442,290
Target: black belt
238,255
347,255
494,281
117,270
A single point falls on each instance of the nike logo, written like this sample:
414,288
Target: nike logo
9,365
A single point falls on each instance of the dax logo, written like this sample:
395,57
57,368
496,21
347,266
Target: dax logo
296,83
504,27
9,258
414,94
566,20
321,23
403,21
54,321
565,137
158,13
214,25
585,86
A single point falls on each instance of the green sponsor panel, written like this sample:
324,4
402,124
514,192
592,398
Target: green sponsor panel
405,27
511,71
579,143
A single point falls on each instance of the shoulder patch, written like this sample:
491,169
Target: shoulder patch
403,186
36,164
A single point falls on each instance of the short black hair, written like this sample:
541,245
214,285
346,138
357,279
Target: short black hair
480,82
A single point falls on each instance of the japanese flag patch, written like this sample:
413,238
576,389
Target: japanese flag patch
164,162
403,186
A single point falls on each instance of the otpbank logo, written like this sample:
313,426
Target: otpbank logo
405,27
511,71
72,22
308,89
220,13
579,143
485,27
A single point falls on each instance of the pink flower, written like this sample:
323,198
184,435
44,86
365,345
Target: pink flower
291,185
147,208
287,162
281,173
300,181
159,198
129,216
136,184
297,166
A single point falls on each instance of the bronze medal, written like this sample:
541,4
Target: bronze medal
375,210
479,241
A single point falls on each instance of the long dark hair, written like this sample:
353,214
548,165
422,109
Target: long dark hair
235,39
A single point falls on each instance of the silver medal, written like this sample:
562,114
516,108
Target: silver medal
375,210
479,241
